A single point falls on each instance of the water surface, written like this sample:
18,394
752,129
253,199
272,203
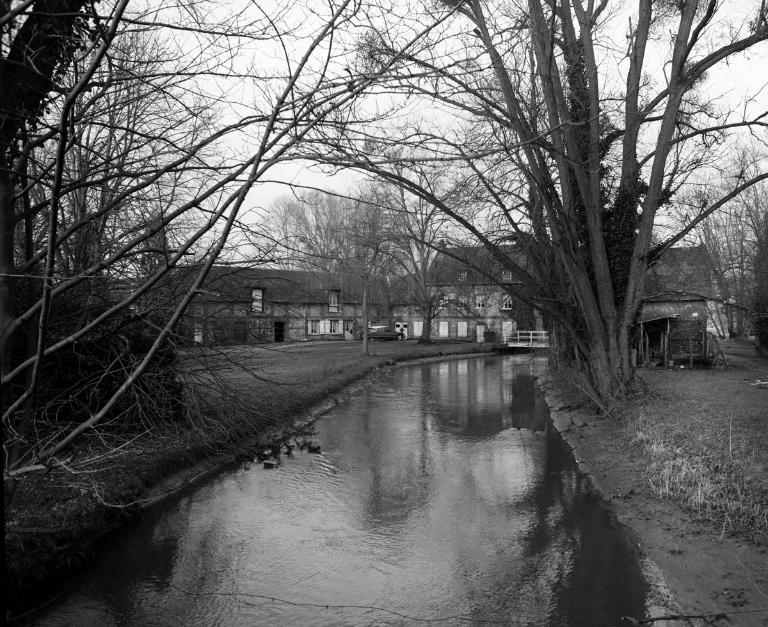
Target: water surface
440,495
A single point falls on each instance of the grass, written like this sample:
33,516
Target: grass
714,468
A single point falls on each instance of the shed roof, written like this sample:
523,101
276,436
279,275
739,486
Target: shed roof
682,273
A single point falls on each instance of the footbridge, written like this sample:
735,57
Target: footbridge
527,339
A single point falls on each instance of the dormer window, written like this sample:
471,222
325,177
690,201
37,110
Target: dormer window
506,275
333,301
506,302
257,299
462,275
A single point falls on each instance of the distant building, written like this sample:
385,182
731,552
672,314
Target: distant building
474,301
264,305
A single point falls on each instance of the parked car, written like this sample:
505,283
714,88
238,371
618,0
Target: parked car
384,334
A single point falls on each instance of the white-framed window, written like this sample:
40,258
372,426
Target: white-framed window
257,299
506,275
462,275
333,326
480,301
333,301
506,302
349,325
314,327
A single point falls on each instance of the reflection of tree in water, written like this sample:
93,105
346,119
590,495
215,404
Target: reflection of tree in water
399,453
568,554
526,407
597,578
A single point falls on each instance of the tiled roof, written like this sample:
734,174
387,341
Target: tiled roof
234,284
451,267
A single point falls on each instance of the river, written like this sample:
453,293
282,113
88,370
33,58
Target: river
441,494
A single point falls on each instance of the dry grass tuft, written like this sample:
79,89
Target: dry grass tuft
714,469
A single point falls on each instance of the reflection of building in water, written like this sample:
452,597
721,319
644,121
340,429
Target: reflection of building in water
482,396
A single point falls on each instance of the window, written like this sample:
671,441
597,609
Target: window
443,302
506,302
333,301
333,327
462,275
257,299
349,325
480,301
314,326
506,275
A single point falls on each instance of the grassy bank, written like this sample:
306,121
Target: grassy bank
237,396
705,434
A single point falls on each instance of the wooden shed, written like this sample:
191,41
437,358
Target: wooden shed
674,325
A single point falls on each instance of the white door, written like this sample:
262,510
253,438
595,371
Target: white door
462,330
418,327
443,328
480,337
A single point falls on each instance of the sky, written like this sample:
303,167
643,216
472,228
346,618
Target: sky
257,54
735,80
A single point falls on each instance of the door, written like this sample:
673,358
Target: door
418,327
480,335
279,331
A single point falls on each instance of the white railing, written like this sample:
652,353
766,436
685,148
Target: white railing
532,339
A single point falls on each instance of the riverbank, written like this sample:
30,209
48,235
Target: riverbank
684,465
59,520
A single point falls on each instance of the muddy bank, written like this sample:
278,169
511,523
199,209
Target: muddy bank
699,564
60,520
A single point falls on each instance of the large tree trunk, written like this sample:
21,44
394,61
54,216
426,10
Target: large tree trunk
426,329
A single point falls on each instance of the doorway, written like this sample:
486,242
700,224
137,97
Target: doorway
279,331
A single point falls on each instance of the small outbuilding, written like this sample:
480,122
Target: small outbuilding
675,324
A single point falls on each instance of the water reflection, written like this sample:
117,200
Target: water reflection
440,493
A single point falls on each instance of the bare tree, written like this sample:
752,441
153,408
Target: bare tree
415,230
554,142
312,228
118,162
